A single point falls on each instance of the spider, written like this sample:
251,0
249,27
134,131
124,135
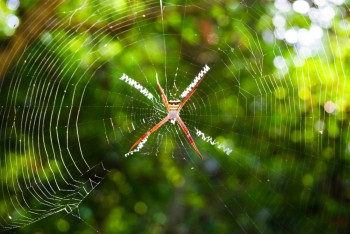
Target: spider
174,107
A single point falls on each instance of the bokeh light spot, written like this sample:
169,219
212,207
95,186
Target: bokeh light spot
62,225
330,107
12,21
301,6
291,36
308,180
279,21
140,208
268,36
12,4
283,5
279,62
319,126
304,94
280,93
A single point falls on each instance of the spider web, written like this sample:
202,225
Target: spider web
270,116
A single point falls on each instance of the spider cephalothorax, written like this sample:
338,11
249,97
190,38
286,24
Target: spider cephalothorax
174,107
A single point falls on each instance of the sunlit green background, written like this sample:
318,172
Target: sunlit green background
280,104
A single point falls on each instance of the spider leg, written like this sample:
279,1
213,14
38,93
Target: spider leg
164,98
193,89
158,125
188,135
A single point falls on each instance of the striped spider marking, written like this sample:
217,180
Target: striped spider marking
174,107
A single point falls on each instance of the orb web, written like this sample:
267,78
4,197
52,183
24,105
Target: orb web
270,116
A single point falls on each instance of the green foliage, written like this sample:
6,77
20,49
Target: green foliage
288,169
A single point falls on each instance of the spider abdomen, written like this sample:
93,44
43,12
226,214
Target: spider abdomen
173,114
